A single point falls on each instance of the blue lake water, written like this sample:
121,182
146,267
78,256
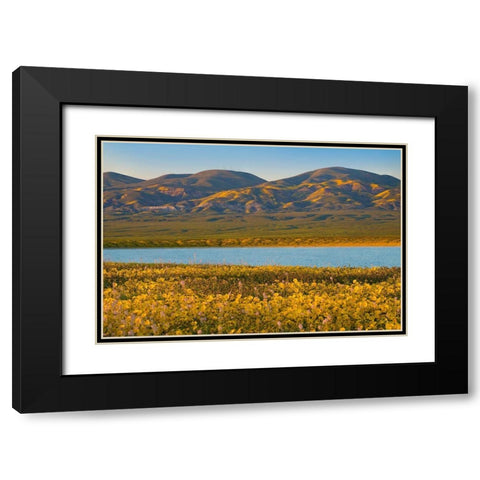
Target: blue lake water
284,256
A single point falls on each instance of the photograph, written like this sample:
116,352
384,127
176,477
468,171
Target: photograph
209,238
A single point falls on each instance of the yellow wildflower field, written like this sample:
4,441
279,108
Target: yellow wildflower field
172,299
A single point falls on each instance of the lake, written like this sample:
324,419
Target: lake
285,256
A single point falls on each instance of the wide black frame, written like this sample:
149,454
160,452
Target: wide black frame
38,96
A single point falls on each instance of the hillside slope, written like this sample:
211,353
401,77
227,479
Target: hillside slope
224,191
165,192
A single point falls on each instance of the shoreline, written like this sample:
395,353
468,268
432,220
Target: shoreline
200,244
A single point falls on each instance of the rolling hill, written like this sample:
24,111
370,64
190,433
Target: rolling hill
328,206
118,180
334,188
224,191
165,192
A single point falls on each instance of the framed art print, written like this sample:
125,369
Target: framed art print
193,239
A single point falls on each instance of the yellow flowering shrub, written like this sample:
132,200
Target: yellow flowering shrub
171,299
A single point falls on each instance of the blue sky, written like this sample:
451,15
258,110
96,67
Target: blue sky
149,160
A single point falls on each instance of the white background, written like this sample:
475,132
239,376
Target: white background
420,438
83,356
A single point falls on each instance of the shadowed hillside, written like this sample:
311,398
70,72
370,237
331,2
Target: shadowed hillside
117,180
166,191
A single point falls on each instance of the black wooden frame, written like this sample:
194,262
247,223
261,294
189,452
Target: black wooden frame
38,97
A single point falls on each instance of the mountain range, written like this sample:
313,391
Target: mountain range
226,191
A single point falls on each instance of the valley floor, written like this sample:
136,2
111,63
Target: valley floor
328,228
